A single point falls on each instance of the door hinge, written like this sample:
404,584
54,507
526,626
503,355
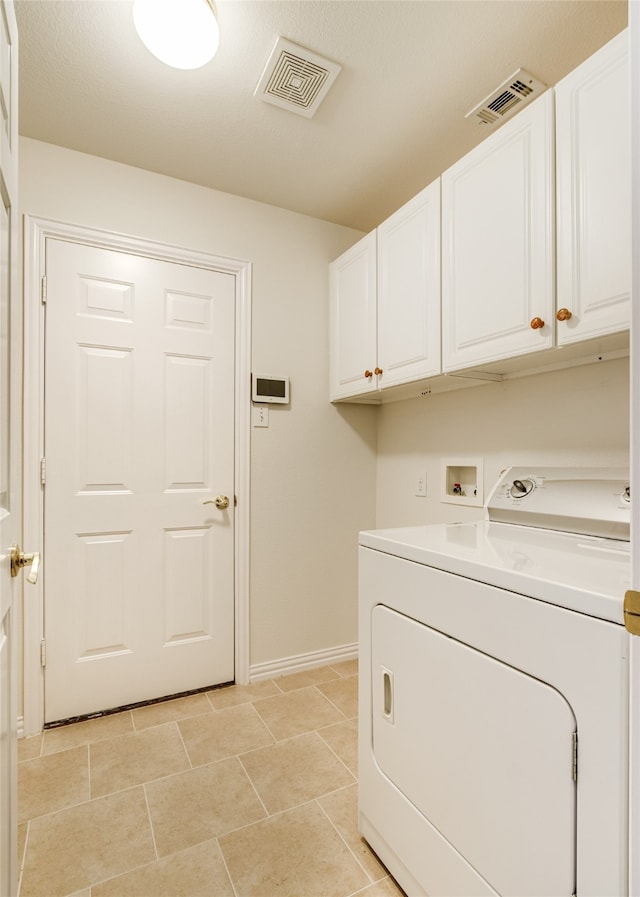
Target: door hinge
43,471
43,653
574,756
43,290
632,612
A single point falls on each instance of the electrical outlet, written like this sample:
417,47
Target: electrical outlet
421,485
260,416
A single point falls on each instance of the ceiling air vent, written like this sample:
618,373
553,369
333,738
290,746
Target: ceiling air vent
513,94
296,79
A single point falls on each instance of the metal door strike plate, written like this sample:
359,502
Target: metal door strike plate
632,612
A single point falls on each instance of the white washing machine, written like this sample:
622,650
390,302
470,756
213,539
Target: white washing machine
493,734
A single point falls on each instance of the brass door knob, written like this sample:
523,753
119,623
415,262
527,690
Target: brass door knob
368,374
563,314
537,323
377,371
220,501
19,560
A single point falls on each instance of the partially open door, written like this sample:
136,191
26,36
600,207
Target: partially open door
10,442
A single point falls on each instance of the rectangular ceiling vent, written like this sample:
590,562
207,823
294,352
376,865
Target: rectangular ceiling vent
296,79
512,95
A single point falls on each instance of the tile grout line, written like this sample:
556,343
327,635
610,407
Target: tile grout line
344,679
329,701
226,867
265,724
238,757
186,750
339,833
207,695
23,859
153,834
336,755
89,770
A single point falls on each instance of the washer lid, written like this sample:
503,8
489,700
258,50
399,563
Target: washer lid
588,574
591,501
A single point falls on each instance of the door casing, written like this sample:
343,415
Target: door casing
634,641
36,232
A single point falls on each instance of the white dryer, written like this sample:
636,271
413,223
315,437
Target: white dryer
493,734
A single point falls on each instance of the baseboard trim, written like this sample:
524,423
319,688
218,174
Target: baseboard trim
299,662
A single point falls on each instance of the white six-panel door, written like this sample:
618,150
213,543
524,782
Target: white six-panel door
10,446
139,434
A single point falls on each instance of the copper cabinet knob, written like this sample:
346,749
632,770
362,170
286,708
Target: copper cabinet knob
563,314
368,374
537,323
377,370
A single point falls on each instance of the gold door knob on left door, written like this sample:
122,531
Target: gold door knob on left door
537,324
220,501
19,560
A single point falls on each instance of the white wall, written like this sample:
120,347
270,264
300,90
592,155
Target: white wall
313,469
578,416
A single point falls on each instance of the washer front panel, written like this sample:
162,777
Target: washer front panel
583,658
481,750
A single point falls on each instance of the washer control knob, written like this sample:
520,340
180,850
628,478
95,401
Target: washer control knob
520,488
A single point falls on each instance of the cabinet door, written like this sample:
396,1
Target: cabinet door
353,320
498,240
594,195
409,290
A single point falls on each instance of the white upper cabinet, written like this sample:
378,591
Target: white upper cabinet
409,291
498,244
385,303
353,328
594,195
527,241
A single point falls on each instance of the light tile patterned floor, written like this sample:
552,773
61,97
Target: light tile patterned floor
246,791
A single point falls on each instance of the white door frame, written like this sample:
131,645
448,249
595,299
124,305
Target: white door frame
634,641
36,232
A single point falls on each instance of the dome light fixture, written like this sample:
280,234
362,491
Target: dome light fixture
182,33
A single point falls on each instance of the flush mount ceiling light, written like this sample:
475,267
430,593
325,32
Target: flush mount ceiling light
182,33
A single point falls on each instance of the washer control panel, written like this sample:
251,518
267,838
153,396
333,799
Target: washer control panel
593,501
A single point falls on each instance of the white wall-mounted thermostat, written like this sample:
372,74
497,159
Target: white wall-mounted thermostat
270,388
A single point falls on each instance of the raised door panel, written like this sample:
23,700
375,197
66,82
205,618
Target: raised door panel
594,195
498,239
409,290
353,320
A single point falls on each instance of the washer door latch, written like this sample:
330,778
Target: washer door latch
632,612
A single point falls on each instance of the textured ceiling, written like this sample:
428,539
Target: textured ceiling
391,123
